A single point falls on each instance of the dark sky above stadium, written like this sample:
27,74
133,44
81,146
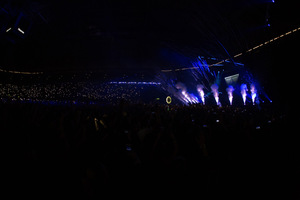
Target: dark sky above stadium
94,34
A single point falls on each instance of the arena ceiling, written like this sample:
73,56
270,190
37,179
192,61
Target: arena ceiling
92,34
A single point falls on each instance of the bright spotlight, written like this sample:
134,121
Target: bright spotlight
21,31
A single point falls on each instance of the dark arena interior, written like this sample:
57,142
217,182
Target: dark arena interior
153,98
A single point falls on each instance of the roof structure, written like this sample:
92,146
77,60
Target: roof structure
92,34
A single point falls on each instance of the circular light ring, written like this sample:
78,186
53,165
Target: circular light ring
168,100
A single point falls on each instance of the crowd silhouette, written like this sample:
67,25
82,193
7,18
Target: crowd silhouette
89,150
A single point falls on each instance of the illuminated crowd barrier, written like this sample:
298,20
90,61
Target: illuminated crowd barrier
133,83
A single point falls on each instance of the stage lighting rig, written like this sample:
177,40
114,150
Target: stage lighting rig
18,29
17,18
